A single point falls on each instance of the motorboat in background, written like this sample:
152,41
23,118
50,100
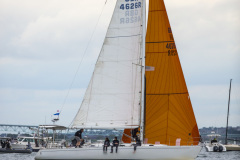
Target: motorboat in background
4,150
46,136
23,142
6,146
214,145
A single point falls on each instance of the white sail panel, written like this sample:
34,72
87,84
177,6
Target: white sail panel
112,99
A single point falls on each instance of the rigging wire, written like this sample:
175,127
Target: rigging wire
84,53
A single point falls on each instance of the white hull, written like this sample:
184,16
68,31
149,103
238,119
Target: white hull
210,147
19,146
142,152
23,146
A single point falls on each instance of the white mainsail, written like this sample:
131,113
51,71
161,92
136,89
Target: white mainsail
113,96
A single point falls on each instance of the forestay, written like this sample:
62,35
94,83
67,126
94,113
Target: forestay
112,99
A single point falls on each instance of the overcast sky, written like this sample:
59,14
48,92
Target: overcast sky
42,43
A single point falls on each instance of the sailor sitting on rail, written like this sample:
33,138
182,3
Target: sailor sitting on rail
115,144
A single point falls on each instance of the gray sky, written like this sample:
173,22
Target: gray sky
42,43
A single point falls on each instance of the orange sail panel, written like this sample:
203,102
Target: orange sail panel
169,113
126,137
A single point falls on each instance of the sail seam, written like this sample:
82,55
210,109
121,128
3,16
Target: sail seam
169,93
160,42
157,10
156,52
125,36
167,123
125,27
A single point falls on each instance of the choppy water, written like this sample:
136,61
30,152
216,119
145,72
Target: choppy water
234,155
17,156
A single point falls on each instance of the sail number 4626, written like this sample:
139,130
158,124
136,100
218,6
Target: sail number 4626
130,5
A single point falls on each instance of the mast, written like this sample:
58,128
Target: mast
228,111
143,71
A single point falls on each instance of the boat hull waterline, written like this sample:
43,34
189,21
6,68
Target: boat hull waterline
150,152
2,150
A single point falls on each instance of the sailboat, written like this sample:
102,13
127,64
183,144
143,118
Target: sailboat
137,83
230,147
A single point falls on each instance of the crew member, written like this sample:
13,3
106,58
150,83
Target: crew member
3,144
135,136
114,144
8,145
78,137
106,144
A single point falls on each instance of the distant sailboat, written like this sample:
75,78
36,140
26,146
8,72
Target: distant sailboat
230,147
118,97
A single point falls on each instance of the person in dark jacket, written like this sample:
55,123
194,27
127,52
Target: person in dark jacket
29,145
134,133
106,144
8,145
114,144
3,143
135,136
214,140
78,137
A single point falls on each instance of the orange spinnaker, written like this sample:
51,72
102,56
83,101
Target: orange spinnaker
169,113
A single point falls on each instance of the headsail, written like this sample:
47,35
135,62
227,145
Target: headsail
112,99
169,113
